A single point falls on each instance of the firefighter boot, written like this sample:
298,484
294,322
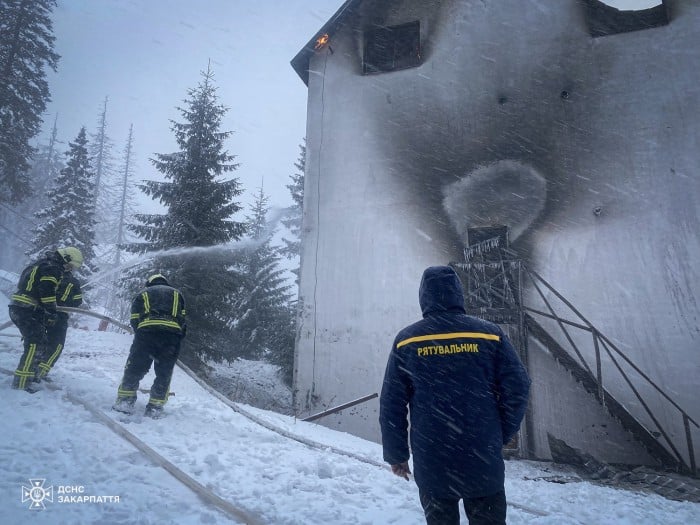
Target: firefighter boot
124,405
153,411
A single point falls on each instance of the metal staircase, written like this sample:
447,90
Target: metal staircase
494,279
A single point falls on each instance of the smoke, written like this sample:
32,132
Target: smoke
505,193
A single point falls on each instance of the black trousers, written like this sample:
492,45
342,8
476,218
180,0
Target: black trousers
158,347
30,322
55,341
488,510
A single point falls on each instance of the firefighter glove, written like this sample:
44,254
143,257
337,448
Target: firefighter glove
50,318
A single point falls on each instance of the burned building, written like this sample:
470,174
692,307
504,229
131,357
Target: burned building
550,150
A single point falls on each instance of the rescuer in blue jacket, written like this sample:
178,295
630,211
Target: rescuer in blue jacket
467,391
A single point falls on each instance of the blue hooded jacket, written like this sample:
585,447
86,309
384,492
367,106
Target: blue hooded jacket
466,388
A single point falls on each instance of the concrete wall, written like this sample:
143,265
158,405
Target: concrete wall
514,103
560,406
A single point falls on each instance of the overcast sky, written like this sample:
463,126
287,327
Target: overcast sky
145,54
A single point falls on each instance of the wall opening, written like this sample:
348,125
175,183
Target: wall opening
604,20
391,48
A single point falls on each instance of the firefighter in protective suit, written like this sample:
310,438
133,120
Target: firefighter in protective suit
68,294
33,310
158,320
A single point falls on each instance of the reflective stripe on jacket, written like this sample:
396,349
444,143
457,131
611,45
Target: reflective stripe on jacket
158,307
466,388
69,292
38,282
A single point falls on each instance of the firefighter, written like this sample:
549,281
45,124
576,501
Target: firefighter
68,294
33,309
158,320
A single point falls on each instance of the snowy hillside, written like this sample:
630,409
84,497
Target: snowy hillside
58,437
255,383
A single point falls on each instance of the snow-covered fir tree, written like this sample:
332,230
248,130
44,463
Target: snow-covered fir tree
17,222
125,200
292,247
106,191
117,301
264,325
26,50
200,208
69,218
46,165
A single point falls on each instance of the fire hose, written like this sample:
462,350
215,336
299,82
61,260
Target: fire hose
81,311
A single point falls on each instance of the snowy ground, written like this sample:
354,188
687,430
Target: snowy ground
274,479
254,383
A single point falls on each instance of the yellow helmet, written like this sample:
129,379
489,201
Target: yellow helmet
156,278
71,256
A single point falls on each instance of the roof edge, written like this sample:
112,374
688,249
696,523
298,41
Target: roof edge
300,62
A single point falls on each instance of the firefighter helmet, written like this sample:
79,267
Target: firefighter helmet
72,256
156,278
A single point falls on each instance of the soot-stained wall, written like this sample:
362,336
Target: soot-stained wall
586,147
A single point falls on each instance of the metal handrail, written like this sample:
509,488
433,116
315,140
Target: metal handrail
491,283
609,347
338,408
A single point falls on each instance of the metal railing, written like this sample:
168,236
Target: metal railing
338,408
503,285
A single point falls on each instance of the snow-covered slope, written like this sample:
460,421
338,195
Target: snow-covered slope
254,383
51,436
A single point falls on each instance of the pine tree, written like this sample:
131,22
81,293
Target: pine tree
125,201
292,247
101,159
17,222
69,219
26,49
263,327
46,166
118,299
200,208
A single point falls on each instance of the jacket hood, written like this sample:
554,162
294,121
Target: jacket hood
440,291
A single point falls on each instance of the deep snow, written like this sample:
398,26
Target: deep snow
47,437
